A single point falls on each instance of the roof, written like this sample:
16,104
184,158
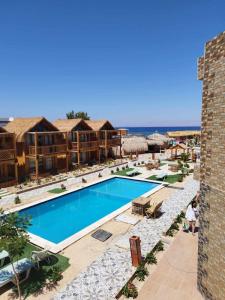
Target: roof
181,145
2,130
20,126
183,133
158,137
133,144
98,124
69,124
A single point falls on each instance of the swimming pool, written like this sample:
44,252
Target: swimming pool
60,218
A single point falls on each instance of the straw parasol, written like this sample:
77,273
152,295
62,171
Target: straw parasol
155,142
134,144
158,137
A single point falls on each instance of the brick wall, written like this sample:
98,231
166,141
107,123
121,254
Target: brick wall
211,260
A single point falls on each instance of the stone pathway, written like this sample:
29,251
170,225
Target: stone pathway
105,277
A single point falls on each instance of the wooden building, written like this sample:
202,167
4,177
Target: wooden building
41,148
83,145
109,138
8,165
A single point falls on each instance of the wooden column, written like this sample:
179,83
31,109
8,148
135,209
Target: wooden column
120,145
36,154
135,249
98,151
78,148
16,163
106,145
67,152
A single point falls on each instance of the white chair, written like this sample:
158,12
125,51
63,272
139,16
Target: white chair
38,256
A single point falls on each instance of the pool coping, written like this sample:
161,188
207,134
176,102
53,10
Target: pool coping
57,247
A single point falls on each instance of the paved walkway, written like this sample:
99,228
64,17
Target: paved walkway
175,277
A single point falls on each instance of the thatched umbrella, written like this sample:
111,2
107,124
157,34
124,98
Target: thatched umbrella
155,142
158,137
134,144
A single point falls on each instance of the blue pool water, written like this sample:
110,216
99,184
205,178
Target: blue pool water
58,219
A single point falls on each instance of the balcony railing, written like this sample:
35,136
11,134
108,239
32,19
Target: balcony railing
110,142
7,154
85,146
47,149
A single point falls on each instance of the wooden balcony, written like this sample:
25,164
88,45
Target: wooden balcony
84,146
110,142
46,150
7,154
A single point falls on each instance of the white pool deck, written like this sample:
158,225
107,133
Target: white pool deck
105,277
55,248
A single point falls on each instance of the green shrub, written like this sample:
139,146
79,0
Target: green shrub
54,274
130,290
117,169
174,226
17,200
99,175
126,166
135,164
141,272
112,171
180,178
182,214
150,258
170,232
159,246
123,168
179,219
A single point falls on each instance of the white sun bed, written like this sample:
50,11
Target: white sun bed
21,266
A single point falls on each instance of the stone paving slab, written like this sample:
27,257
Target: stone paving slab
105,277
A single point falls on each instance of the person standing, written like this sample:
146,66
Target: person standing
191,215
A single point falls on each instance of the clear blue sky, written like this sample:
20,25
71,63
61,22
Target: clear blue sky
133,62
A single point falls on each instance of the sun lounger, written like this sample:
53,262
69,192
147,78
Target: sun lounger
161,176
132,173
38,256
3,255
21,266
152,211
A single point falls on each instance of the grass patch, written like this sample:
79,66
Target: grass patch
56,191
123,172
41,278
170,178
60,261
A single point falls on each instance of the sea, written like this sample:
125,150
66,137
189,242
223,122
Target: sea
145,131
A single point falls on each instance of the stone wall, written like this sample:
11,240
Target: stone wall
211,260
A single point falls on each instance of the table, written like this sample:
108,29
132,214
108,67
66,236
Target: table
140,204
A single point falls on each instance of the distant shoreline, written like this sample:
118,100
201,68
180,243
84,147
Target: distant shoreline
160,129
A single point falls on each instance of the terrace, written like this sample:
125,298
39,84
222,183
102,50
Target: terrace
8,172
45,143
